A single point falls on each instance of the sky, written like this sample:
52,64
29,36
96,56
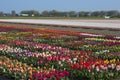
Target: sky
60,5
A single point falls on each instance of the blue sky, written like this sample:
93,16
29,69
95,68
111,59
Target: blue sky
61,5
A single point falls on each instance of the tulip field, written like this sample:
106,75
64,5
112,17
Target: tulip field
28,53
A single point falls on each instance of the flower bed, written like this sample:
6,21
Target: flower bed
43,54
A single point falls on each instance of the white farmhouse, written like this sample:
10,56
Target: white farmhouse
107,17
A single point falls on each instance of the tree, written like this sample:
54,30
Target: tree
13,13
30,12
72,14
102,13
45,13
53,13
95,14
113,13
1,13
83,14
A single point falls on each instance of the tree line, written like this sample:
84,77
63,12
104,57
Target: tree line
55,13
